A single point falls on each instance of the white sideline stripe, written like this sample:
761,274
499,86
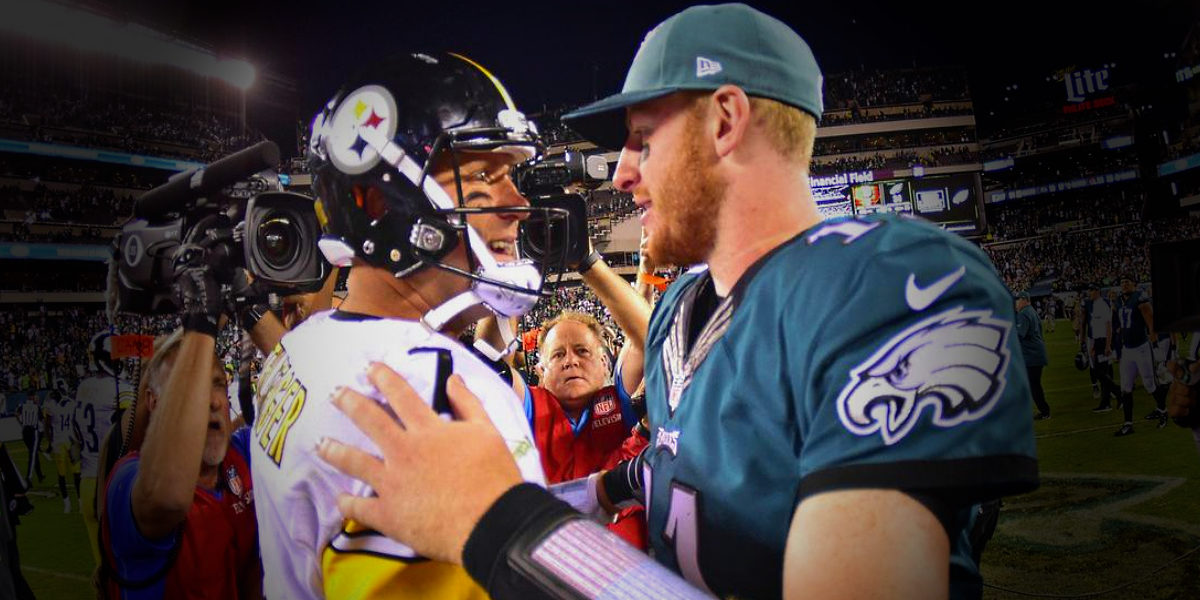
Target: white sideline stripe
53,573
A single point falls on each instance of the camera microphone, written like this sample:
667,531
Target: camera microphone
180,192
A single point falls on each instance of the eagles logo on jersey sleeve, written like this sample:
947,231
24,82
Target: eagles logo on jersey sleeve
922,364
953,362
308,550
864,353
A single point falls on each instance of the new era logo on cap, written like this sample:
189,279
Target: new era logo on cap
706,67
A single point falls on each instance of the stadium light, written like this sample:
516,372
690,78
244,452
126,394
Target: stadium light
238,73
93,33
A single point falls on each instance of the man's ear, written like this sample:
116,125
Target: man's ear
537,368
730,107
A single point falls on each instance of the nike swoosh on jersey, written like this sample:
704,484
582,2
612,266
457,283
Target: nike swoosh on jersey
919,298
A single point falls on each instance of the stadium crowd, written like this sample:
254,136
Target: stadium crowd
43,114
893,87
889,141
927,110
44,342
1078,210
84,204
38,169
846,96
1028,120
1075,258
1065,166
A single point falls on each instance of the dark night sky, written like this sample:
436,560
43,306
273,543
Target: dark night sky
555,53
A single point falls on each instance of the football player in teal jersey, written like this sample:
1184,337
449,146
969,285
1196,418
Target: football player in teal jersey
829,401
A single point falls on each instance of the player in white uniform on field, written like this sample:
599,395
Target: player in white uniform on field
97,399
397,180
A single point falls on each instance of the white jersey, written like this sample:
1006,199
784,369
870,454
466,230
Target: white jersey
96,400
308,550
62,421
1101,317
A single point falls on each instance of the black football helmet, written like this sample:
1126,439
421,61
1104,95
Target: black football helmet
100,358
371,152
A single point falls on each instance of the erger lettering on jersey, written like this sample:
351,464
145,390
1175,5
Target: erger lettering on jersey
284,398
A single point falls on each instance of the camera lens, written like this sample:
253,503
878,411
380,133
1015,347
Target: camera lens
279,238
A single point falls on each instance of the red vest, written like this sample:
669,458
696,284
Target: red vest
219,546
567,456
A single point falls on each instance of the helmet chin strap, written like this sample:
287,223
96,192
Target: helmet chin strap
502,302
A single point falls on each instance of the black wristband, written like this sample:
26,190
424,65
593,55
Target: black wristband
199,324
585,265
524,509
623,483
252,314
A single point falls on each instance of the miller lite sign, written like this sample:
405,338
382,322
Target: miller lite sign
1084,82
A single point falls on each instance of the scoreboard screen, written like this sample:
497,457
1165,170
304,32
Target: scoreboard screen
833,200
952,201
882,196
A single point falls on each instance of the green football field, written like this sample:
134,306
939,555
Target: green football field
1118,517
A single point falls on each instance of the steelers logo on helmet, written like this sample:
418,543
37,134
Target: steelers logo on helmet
369,110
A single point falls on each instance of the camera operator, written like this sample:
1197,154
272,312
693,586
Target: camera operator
178,519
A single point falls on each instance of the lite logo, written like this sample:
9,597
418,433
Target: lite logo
1081,83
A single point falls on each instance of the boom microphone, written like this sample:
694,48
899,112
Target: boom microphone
181,192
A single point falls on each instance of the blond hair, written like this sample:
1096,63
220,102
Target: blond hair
790,131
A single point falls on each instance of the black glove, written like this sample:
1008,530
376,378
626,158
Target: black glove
197,290
247,301
624,482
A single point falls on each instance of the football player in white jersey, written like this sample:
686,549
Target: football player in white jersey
97,399
412,168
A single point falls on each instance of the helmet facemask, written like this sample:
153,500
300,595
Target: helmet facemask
507,289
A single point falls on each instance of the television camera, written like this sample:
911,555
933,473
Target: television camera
557,182
234,207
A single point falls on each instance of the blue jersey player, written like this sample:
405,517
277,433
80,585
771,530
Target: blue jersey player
828,400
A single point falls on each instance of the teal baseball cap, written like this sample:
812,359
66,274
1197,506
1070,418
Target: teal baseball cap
704,48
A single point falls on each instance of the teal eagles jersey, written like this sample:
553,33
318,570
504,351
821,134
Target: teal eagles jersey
1133,325
864,353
